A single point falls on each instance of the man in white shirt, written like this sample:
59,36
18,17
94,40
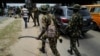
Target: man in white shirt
25,15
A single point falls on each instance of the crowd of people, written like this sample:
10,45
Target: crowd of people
11,11
50,29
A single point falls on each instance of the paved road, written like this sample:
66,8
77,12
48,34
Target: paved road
90,46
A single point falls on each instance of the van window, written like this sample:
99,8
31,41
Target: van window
58,12
83,12
95,10
69,12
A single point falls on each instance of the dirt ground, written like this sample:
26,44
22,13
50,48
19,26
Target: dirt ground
27,46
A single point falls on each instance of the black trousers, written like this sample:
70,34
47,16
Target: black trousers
25,20
30,15
36,20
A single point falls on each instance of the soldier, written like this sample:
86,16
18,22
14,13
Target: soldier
17,12
36,16
30,14
48,20
74,29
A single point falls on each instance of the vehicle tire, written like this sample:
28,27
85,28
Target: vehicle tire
94,26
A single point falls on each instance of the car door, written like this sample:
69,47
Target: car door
96,16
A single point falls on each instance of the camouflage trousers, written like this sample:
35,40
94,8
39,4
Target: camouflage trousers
52,44
36,20
73,46
73,42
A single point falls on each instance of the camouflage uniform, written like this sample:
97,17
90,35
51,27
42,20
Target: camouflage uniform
74,30
30,14
36,15
52,41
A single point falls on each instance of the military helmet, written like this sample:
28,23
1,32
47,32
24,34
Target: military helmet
44,8
76,6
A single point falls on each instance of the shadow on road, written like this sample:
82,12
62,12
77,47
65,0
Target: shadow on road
65,36
98,30
31,37
83,55
27,37
88,36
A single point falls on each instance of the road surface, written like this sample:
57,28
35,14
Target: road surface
28,46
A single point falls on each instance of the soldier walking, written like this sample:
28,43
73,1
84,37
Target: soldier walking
74,30
49,31
30,14
36,16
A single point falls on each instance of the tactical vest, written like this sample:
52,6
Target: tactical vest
51,30
75,21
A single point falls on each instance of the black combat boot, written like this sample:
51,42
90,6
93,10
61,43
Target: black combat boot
78,54
42,50
70,52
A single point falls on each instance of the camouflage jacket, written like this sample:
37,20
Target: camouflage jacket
47,20
75,22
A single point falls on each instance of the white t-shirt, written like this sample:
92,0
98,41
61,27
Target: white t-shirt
25,12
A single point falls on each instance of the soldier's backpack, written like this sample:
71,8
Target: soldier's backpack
51,30
76,21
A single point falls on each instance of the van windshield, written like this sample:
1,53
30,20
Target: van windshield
95,10
83,12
